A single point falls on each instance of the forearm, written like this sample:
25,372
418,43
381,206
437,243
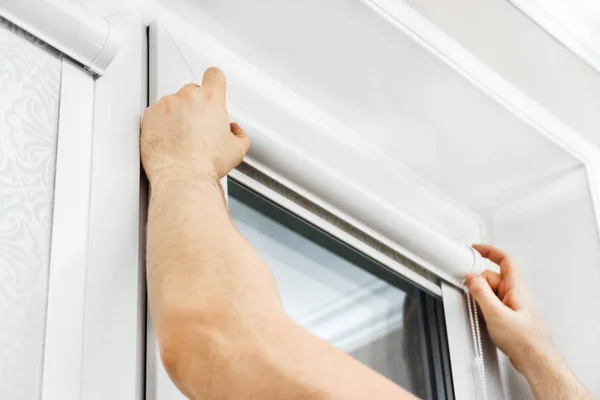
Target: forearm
550,378
196,258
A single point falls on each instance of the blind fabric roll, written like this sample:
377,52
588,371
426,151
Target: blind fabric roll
80,35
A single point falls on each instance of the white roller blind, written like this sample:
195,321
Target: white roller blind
82,36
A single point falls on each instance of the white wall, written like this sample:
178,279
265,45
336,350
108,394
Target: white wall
552,235
29,93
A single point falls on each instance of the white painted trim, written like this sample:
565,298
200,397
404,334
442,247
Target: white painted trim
69,248
78,34
333,230
536,12
407,20
462,352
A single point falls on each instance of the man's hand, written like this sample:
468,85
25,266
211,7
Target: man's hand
510,315
516,328
187,135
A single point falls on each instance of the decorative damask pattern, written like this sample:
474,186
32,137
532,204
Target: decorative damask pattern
29,93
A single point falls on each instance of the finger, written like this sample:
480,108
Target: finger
244,143
214,82
490,252
493,279
507,267
241,136
236,129
481,291
512,299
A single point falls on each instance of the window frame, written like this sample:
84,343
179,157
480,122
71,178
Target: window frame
95,347
67,273
168,71
462,351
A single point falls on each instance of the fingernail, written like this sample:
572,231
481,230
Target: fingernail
470,278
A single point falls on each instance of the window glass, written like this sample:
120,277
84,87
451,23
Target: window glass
340,302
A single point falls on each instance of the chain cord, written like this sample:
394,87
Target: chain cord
476,333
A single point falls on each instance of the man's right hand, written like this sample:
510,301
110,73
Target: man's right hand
187,135
516,328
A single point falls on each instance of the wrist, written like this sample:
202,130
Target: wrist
174,179
536,357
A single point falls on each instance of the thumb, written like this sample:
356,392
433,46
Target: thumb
483,294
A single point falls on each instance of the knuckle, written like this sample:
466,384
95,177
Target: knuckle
189,91
167,102
165,99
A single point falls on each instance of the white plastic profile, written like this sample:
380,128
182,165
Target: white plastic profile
79,34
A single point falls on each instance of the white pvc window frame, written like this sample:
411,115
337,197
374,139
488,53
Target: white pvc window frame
462,351
95,326
65,317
